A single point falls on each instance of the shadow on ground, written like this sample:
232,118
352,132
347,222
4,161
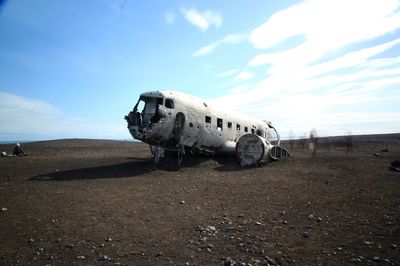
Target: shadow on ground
138,167
127,169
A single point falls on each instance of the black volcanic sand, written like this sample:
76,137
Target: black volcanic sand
93,201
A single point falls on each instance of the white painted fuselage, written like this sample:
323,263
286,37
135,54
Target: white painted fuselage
172,119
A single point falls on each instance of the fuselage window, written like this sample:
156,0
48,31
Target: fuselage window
208,119
160,101
169,103
252,131
229,124
237,127
246,129
219,124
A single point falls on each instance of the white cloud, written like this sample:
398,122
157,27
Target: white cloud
339,78
24,118
227,73
308,102
239,89
202,20
355,66
331,24
327,27
303,111
244,75
205,50
229,39
170,17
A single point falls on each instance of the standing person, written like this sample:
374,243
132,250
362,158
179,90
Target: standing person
18,150
303,141
313,142
349,144
291,140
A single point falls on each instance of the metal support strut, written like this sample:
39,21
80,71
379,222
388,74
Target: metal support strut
157,152
181,153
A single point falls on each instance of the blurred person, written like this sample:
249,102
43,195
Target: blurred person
18,150
302,142
291,140
313,142
349,144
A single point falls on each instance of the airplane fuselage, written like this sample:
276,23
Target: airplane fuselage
171,119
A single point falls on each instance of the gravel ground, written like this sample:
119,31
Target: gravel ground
90,202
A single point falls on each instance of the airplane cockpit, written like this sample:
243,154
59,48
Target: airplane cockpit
148,112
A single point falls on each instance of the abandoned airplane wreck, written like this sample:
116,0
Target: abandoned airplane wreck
169,120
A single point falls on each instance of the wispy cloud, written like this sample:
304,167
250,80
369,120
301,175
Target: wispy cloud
326,81
202,20
244,75
329,24
239,89
323,32
227,73
229,39
23,118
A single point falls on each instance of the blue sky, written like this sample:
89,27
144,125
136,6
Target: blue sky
75,68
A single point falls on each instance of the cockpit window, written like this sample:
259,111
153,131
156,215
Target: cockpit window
169,103
148,105
151,105
140,105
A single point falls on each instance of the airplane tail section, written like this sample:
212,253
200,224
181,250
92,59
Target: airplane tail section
278,152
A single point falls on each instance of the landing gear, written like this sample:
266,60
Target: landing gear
181,153
173,142
177,134
157,153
